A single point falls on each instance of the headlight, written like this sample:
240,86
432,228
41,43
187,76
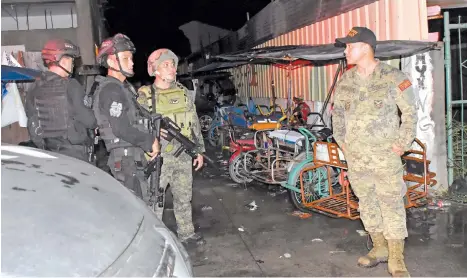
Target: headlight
167,264
172,239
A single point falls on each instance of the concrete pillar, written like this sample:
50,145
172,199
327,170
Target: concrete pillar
85,38
440,157
427,73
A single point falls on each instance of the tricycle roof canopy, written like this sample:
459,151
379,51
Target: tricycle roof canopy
316,54
19,74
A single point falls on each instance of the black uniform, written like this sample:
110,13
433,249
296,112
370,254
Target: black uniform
57,118
124,131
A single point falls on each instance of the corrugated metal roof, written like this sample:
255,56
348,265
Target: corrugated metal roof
447,4
389,19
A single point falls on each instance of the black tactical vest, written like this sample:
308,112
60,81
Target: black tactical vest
111,141
51,118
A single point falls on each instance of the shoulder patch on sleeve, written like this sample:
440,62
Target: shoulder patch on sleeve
116,109
404,85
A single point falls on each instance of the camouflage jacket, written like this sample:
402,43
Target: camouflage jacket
366,109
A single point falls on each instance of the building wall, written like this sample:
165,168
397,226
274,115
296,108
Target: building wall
38,16
33,24
389,19
34,40
201,35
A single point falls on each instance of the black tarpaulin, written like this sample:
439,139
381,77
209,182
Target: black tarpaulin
322,53
316,54
219,66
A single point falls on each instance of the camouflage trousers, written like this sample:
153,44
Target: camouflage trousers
375,176
178,172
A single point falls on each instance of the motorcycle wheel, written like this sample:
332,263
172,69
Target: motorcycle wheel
236,169
216,136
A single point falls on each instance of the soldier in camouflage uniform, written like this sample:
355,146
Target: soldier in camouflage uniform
368,129
173,100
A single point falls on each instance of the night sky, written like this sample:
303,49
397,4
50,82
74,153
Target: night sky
153,24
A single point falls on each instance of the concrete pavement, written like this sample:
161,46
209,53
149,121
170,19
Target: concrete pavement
270,241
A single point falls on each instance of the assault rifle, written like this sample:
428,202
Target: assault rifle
153,169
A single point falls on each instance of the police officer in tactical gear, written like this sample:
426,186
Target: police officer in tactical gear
121,125
57,117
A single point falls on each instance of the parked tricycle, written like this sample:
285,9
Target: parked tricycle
306,160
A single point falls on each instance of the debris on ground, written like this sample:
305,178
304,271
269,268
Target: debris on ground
205,208
337,251
362,232
415,209
440,203
316,240
301,214
260,261
241,229
442,210
287,255
456,245
252,206
232,184
277,192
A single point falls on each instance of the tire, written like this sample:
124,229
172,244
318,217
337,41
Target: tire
214,136
296,197
235,170
217,136
205,122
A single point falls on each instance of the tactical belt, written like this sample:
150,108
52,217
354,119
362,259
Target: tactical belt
58,144
131,152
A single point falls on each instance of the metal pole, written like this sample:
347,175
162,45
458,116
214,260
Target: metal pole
17,23
51,19
447,64
461,90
